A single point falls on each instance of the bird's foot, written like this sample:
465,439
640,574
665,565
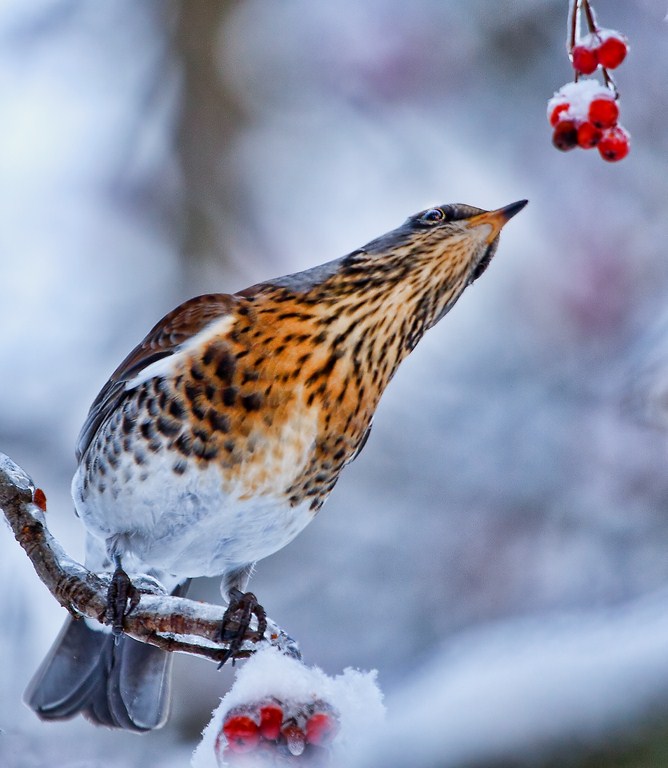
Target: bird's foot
122,598
236,621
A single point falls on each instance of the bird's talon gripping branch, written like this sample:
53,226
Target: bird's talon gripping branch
122,599
236,621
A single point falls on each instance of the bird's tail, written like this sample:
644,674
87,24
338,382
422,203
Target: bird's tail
120,683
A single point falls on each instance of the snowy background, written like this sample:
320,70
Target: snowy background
499,553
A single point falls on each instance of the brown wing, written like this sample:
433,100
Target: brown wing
162,340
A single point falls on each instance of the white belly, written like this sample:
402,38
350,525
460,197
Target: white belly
187,525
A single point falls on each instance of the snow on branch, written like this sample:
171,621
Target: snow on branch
170,623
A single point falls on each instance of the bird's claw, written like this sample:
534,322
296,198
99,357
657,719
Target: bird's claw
122,599
236,622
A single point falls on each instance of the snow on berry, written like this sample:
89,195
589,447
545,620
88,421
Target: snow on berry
579,96
270,685
614,144
555,112
584,55
295,739
583,113
612,48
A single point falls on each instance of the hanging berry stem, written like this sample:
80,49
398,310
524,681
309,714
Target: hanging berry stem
590,16
573,18
576,8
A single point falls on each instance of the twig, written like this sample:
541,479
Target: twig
170,623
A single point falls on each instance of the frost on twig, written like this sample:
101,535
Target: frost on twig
170,623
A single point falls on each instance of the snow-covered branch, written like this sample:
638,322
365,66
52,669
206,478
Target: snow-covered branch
170,623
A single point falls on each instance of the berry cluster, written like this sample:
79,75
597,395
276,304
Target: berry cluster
585,113
604,48
272,733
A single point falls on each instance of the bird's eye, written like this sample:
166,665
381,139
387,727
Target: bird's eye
433,215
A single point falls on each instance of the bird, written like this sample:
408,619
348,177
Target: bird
221,435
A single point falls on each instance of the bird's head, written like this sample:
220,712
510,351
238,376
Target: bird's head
432,256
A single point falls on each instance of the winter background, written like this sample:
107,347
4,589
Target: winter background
499,552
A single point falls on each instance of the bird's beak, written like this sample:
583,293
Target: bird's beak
495,220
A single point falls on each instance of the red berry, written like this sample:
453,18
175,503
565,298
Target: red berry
614,144
588,135
585,59
558,110
271,719
242,733
603,112
612,51
565,135
39,498
321,728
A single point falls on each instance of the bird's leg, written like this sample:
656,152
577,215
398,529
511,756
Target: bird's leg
121,591
236,621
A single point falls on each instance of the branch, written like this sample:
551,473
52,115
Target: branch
170,623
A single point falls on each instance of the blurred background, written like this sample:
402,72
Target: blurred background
499,550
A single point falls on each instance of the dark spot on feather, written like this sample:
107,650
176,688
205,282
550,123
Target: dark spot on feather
141,397
192,392
252,402
199,410
204,450
226,367
230,395
183,444
201,434
168,427
219,421
209,354
249,375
